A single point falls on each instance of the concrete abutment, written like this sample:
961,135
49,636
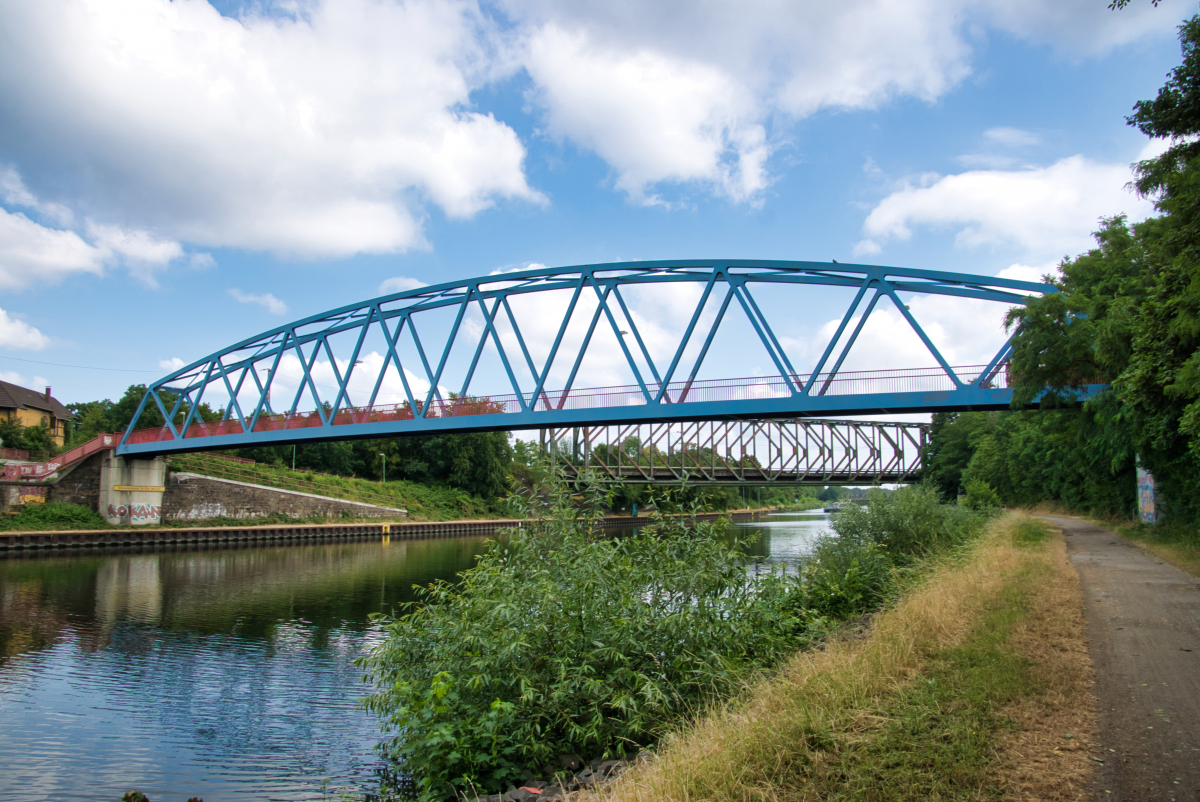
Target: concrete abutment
140,492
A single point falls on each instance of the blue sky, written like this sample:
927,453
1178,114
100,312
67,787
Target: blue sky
175,177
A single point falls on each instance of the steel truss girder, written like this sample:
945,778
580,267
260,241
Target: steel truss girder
756,452
666,391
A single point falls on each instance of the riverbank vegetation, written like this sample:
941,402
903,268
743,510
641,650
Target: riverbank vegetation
563,639
954,693
1127,315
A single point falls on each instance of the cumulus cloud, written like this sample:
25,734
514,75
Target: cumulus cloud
15,193
266,301
18,334
1080,28
400,284
321,133
328,128
670,93
142,253
1046,211
171,365
31,253
1022,272
652,117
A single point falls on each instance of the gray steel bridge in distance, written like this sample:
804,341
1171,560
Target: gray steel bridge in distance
756,452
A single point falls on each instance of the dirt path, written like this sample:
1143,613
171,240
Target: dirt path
1143,619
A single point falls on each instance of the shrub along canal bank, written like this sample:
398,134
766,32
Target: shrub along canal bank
975,685
564,640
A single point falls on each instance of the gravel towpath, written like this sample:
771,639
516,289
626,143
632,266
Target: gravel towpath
1143,620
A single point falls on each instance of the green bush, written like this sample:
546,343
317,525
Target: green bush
53,515
909,524
980,496
564,639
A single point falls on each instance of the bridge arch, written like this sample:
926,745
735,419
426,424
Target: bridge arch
411,362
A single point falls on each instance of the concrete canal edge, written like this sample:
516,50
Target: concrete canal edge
284,533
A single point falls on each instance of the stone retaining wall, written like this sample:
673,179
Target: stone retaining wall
81,483
192,497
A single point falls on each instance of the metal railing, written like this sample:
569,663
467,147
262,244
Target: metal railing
682,392
40,470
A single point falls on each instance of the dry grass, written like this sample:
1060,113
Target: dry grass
1047,756
782,741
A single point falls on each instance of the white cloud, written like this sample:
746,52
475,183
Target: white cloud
330,128
15,193
652,117
1022,272
201,261
322,133
143,253
1081,27
18,334
400,284
1048,211
171,365
1011,137
33,254
686,93
21,380
266,301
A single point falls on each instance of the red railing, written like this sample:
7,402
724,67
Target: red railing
40,470
743,389
13,453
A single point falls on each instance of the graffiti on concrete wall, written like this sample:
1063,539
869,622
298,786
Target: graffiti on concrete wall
1147,503
136,513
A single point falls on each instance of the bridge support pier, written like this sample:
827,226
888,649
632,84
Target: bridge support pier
131,490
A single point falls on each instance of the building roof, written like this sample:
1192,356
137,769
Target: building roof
13,396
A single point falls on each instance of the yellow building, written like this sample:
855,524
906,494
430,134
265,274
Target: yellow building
31,408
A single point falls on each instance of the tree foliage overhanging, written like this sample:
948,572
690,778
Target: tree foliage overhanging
1128,315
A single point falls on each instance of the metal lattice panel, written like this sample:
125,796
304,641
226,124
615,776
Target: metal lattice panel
800,451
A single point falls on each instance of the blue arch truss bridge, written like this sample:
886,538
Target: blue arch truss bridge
755,452
592,345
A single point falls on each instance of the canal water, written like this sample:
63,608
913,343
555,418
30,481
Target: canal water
224,674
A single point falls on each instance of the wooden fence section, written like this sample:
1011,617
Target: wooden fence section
282,534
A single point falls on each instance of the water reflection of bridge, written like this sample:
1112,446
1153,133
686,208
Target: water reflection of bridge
800,451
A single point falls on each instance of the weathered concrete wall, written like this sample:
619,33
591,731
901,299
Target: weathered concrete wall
131,490
192,497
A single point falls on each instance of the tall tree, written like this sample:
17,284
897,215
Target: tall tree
1129,310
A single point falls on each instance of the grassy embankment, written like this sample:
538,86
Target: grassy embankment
973,686
423,502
